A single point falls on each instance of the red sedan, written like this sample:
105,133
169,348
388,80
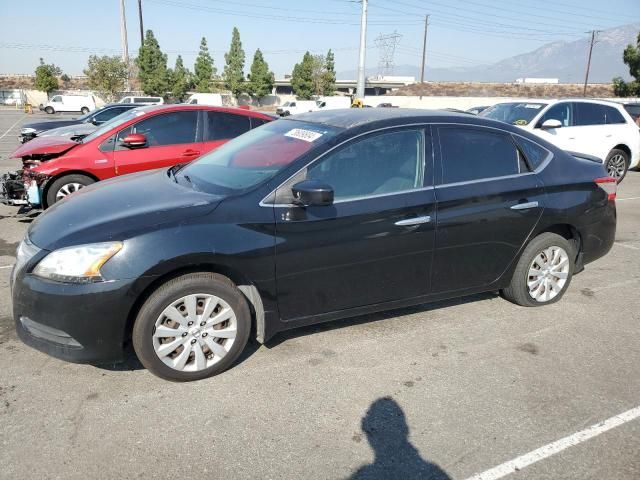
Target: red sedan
141,139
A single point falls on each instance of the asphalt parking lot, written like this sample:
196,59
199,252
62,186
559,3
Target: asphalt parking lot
443,391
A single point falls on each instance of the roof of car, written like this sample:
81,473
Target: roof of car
557,100
185,106
354,117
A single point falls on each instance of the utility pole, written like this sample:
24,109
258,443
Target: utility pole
123,39
363,47
141,26
424,47
586,76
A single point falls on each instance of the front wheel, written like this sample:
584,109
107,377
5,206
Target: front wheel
617,164
84,110
65,186
192,327
543,273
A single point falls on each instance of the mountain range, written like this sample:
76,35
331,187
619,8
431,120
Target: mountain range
565,60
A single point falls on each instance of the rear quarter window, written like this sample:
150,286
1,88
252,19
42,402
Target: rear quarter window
613,116
534,153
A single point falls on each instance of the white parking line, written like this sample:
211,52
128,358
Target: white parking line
11,127
626,246
6,266
550,449
628,198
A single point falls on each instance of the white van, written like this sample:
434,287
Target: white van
211,99
333,103
296,106
143,100
70,103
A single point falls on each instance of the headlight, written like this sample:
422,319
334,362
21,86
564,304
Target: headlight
79,264
28,130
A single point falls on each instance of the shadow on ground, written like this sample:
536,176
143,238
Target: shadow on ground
387,431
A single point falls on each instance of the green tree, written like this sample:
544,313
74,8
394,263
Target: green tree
66,80
47,77
204,69
152,66
106,75
302,77
234,65
631,57
261,80
180,80
329,74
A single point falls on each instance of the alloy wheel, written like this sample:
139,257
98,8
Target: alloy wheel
548,274
68,189
616,166
194,332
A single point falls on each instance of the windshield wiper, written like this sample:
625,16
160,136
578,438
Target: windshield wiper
172,173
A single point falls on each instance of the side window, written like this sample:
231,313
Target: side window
109,113
589,114
378,164
613,116
475,154
166,129
535,153
292,104
561,112
57,98
256,122
224,126
126,100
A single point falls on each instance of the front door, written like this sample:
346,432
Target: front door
489,201
563,137
375,243
172,138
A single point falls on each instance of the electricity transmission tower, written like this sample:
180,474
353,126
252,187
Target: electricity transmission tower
387,47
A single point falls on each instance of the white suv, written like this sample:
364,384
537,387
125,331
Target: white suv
599,128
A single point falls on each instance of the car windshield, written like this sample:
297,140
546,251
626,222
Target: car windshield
255,156
516,113
114,122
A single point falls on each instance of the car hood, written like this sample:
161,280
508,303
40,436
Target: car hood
70,130
42,126
118,209
45,146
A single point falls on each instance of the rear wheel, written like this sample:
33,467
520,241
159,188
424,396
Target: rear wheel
65,186
543,273
192,327
84,110
617,164
49,110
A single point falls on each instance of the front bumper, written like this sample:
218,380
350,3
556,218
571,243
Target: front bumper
82,323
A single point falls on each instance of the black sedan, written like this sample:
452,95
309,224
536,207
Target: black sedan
97,117
307,219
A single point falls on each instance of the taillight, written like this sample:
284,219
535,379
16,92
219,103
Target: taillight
609,185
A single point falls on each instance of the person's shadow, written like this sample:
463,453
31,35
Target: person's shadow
395,458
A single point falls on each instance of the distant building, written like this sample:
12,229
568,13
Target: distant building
545,81
377,85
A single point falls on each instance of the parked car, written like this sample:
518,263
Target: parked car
305,220
296,106
633,109
97,117
141,139
211,99
599,128
143,100
477,110
386,105
70,103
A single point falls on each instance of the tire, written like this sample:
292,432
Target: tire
66,185
84,110
524,288
172,298
617,164
49,110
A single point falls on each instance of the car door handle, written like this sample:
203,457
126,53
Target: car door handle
524,206
190,153
413,221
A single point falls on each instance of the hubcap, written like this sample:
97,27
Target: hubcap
194,332
68,189
616,166
548,274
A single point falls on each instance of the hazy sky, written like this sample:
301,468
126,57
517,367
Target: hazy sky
461,32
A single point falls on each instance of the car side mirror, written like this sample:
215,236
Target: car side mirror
309,193
551,123
134,140
95,121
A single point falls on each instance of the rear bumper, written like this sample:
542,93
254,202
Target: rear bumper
598,236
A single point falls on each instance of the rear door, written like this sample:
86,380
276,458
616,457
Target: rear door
172,138
489,201
592,133
220,127
375,243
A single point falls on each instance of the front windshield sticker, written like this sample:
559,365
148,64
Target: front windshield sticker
533,105
520,122
302,134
